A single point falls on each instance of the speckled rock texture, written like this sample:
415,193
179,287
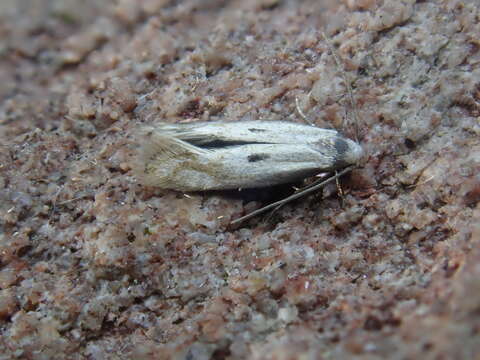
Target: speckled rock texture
93,265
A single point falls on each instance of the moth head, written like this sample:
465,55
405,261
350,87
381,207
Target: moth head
348,151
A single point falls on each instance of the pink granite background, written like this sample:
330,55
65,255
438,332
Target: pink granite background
95,266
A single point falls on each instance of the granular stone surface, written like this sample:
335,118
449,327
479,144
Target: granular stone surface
94,265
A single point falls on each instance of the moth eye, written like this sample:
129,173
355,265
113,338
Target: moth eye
257,157
341,145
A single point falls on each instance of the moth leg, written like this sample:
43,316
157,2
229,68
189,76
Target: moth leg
292,197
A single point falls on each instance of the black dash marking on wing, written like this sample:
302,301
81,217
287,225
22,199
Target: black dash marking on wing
220,144
256,130
257,157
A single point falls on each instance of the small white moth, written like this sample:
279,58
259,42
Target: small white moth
250,154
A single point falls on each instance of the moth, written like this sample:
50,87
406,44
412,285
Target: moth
231,155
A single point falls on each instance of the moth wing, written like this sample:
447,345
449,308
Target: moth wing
159,154
197,133
237,133
157,142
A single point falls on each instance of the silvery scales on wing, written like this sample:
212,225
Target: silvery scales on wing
249,154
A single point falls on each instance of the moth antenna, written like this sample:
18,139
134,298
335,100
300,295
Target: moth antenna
347,83
300,194
300,111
